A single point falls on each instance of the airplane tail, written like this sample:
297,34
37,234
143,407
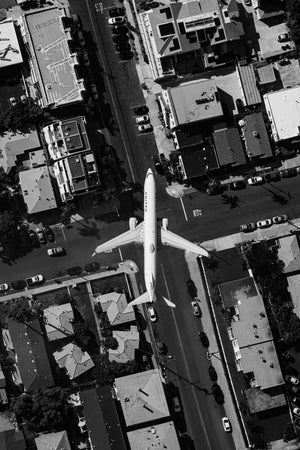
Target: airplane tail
169,303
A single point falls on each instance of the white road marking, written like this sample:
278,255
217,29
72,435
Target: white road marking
63,233
121,255
184,358
183,208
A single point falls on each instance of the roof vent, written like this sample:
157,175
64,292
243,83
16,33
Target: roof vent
48,86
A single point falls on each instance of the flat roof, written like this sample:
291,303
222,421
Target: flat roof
194,101
283,108
289,253
142,397
159,437
256,137
248,80
294,289
229,147
198,163
266,74
37,190
53,61
10,53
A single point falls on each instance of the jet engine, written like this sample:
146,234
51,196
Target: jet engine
132,223
165,223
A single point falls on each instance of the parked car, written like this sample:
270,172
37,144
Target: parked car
163,159
4,287
296,411
157,165
226,424
85,59
41,235
13,101
296,401
291,379
36,279
18,285
119,29
95,202
80,38
123,47
176,404
280,219
236,185
74,271
49,234
33,238
116,20
56,251
115,12
283,37
254,181
191,287
141,110
264,223
145,128
152,314
274,176
196,309
215,189
94,91
291,172
247,227
162,348
92,267
76,20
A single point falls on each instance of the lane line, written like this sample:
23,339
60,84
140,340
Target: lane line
184,358
121,255
184,211
63,233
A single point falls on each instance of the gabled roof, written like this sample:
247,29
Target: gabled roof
128,342
256,136
229,147
116,306
58,321
53,441
74,360
162,436
37,190
12,440
33,362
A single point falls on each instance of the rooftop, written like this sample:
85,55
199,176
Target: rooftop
248,81
116,306
289,253
160,436
229,147
53,441
128,343
256,137
37,190
58,321
10,53
283,108
75,361
12,440
54,65
33,362
294,290
266,74
13,145
142,397
198,163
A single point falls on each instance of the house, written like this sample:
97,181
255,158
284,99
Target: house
255,136
12,440
74,360
116,307
201,31
53,441
229,147
289,253
194,164
59,321
128,343
30,355
142,397
47,37
283,109
37,190
294,290
161,435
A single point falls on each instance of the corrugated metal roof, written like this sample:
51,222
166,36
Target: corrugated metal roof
248,81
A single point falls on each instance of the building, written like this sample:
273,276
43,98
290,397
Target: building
37,190
283,109
101,416
162,435
142,397
266,75
194,164
247,79
10,53
53,66
202,31
289,253
58,321
3,394
74,164
229,147
128,343
14,145
255,136
30,355
74,360
116,307
294,290
12,440
53,441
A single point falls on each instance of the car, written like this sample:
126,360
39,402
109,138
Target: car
296,411
203,339
74,271
24,99
236,185
49,234
33,238
152,314
4,287
76,20
92,267
142,119
253,181
80,38
274,176
264,223
176,404
141,110
293,380
115,12
36,279
94,91
161,347
226,424
215,189
120,38
296,401
158,166
13,101
116,20
163,159
247,227
123,47
41,235
18,285
145,128
280,219
55,251
126,55
119,29
195,308
191,287
85,59
291,172
283,37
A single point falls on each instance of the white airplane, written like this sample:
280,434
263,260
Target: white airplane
146,233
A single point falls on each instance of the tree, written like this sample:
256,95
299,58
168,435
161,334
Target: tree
288,323
111,342
18,117
62,297
67,212
82,335
8,226
293,19
20,312
106,371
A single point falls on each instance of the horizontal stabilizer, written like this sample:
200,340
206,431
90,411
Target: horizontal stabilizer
169,303
144,298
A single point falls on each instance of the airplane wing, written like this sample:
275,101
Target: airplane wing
130,236
173,240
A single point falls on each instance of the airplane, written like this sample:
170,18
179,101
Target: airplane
146,233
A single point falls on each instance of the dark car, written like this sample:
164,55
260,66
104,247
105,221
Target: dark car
141,110
274,176
157,164
92,267
120,38
116,12
163,159
291,172
215,189
236,185
192,290
126,55
119,29
247,227
33,238
18,284
204,339
123,47
162,348
49,234
74,271
41,235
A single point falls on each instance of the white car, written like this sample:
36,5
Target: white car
195,308
226,424
295,381
116,20
264,223
56,251
152,314
255,180
13,101
296,411
144,128
142,119
4,287
37,279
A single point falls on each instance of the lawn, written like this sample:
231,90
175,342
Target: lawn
47,299
102,284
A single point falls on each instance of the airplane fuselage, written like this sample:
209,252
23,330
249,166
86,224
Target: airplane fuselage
150,235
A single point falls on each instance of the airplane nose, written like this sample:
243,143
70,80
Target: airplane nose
149,172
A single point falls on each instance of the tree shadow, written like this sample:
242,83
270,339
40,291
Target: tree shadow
231,200
280,199
89,231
